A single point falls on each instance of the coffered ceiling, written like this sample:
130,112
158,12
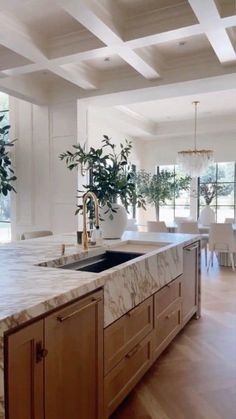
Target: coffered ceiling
95,47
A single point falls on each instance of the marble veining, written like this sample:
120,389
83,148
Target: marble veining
124,289
30,284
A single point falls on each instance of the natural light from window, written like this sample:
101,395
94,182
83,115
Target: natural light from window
217,186
5,216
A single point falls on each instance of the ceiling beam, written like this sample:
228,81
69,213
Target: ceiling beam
99,52
176,89
211,22
162,37
80,75
97,24
13,36
25,88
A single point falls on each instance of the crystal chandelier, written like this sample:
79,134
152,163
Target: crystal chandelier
195,162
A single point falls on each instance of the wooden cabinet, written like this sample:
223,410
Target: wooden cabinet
167,325
55,365
126,374
122,335
127,353
167,295
167,315
74,364
190,281
24,378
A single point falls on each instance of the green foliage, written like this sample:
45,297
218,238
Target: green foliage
210,189
6,172
161,187
109,174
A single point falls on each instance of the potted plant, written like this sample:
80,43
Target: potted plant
6,171
111,179
209,189
160,187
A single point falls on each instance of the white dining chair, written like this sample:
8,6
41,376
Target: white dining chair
191,227
35,234
179,220
156,227
229,220
221,239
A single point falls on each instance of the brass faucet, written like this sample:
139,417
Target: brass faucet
92,196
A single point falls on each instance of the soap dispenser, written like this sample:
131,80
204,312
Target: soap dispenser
96,237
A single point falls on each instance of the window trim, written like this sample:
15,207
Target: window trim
216,205
4,221
174,198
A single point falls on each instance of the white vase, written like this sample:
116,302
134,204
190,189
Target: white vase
207,216
113,229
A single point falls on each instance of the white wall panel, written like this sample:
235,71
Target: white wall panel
64,219
63,119
46,190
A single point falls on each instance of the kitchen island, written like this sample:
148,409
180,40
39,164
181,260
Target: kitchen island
32,287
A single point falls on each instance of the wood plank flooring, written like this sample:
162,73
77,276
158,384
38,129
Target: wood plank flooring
195,378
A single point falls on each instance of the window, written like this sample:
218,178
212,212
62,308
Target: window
5,218
217,189
176,207
131,208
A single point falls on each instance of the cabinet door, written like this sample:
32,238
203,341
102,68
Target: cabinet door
190,281
74,365
126,374
121,336
24,363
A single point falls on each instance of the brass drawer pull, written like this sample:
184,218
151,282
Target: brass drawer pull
74,313
133,351
134,310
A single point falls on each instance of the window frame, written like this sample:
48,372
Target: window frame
158,168
1,220
216,205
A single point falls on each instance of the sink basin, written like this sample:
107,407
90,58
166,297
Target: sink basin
102,262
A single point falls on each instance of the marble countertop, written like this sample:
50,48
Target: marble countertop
31,284
25,286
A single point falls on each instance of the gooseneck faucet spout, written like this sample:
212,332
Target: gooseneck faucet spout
93,197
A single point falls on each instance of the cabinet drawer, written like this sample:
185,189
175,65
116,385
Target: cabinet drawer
167,325
121,336
168,295
125,375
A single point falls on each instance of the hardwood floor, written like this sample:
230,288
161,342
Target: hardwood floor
195,378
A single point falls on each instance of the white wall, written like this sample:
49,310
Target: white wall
63,134
46,190
100,123
165,151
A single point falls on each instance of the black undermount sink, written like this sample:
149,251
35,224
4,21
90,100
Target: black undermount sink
102,262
